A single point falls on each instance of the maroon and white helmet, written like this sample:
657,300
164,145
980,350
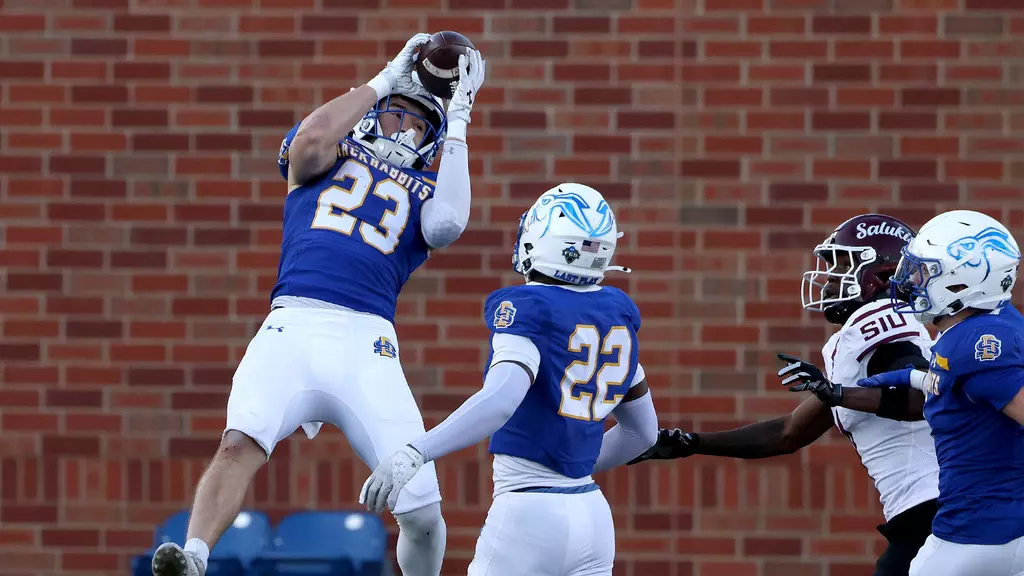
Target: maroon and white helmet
854,264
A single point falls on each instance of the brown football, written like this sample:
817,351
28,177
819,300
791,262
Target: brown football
437,63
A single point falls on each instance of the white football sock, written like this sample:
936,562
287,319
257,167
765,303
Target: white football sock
201,551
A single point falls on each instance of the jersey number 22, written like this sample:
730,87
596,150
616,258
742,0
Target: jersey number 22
585,405
352,185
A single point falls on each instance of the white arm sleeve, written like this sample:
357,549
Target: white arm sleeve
917,380
635,432
480,415
515,348
639,377
444,217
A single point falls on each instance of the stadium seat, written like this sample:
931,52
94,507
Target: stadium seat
325,543
245,539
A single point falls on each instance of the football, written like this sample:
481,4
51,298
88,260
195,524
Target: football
437,63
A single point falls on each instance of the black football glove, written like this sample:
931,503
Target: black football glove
803,376
671,444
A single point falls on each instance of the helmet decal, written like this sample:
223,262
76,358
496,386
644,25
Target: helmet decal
569,234
973,250
572,206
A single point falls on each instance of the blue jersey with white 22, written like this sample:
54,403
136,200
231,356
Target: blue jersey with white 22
588,359
353,238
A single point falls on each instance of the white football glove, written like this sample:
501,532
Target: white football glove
471,77
397,75
388,479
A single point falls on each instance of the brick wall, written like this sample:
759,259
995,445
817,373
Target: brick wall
141,207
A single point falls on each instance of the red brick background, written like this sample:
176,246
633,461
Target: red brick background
141,208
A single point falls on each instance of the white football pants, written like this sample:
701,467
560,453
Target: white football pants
545,534
309,365
941,558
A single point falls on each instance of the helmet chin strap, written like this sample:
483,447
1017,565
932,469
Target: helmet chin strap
840,312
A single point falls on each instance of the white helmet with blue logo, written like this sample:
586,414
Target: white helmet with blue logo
401,149
569,234
960,259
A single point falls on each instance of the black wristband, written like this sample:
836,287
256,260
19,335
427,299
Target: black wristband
894,402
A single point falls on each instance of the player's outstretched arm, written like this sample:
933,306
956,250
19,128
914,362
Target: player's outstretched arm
888,401
808,422
636,429
315,147
444,216
505,386
903,404
894,403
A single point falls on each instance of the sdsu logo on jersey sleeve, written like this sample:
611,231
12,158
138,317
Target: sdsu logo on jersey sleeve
504,315
515,310
987,348
984,344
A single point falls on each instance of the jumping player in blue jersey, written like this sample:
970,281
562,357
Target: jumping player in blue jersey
563,357
958,273
361,214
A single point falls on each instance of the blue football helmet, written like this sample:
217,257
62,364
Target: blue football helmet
401,149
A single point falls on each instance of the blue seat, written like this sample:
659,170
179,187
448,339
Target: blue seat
172,530
326,543
247,537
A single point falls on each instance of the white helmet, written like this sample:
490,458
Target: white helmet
400,149
568,234
960,259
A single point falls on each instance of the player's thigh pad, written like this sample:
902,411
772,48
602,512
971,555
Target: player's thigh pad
546,535
370,400
267,400
942,558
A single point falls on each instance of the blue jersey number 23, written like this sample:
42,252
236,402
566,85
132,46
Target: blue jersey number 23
353,183
585,405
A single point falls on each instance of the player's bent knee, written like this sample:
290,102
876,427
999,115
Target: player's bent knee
422,522
239,447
